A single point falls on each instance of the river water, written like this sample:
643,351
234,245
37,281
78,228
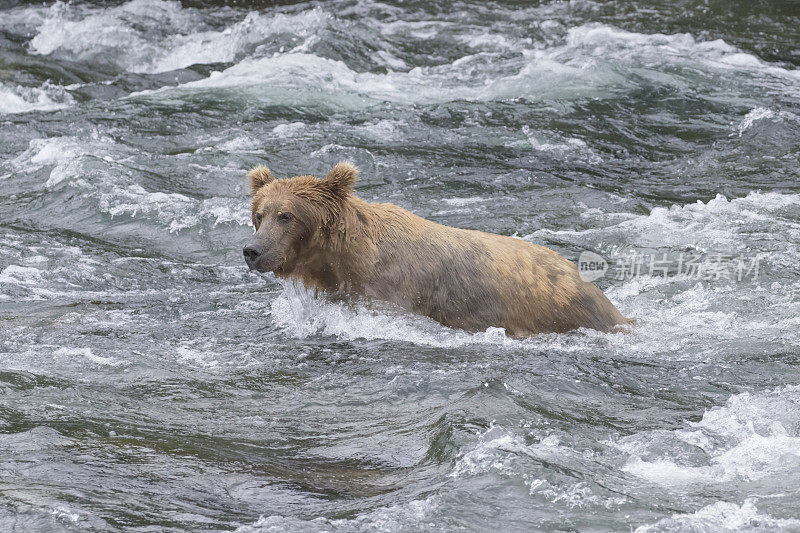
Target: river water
149,382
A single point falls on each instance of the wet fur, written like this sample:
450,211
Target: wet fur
461,278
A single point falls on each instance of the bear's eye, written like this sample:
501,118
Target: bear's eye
285,217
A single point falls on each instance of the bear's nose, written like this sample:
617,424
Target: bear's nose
252,252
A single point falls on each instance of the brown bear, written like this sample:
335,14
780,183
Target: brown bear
318,232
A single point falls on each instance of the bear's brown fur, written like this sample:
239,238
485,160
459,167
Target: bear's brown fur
317,231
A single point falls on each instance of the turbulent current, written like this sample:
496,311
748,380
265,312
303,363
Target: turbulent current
150,382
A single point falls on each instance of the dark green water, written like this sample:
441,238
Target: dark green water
149,382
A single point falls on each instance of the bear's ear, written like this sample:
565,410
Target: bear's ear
259,177
341,178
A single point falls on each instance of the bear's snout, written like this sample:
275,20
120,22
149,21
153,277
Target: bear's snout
252,253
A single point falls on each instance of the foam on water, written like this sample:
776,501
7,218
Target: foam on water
301,313
461,202
18,99
91,165
502,452
383,130
20,275
43,269
288,130
762,120
495,450
758,113
753,436
86,353
236,145
173,210
718,225
721,516
269,77
67,155
151,36
717,56
276,78
594,60
564,148
276,51
412,515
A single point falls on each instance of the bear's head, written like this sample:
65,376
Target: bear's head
291,215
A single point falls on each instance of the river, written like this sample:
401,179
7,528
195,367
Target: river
150,382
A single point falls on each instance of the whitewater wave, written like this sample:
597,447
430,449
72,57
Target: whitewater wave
504,453
19,99
29,273
151,36
92,164
753,436
174,210
659,50
302,313
87,354
721,516
272,51
718,225
594,60
412,515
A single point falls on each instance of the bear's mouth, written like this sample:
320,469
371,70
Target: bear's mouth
267,262
265,266
278,270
